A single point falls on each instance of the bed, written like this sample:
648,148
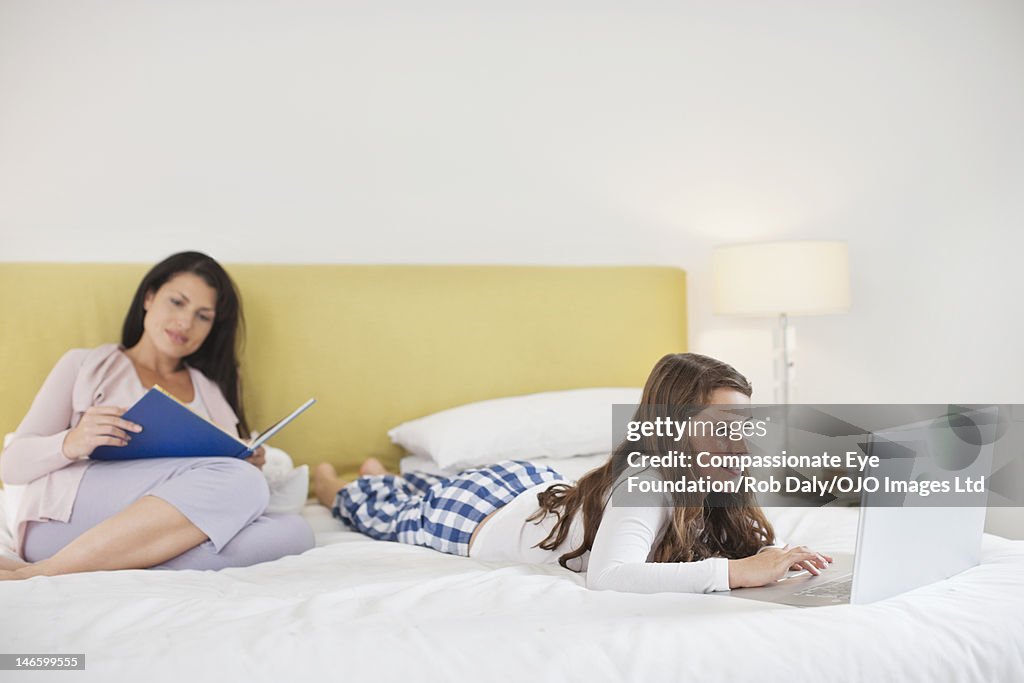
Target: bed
367,610
364,610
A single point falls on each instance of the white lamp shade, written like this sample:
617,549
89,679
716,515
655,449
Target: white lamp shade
770,278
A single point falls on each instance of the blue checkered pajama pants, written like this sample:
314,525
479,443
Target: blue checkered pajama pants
436,512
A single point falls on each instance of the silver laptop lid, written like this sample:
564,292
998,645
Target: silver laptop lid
905,540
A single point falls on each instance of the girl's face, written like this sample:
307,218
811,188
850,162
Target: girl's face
728,406
179,315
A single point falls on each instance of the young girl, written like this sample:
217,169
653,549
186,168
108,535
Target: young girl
78,514
515,511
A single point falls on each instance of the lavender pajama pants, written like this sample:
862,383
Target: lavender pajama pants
224,497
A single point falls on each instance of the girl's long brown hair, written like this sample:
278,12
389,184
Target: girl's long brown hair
728,525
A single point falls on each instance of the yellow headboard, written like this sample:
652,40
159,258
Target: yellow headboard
376,345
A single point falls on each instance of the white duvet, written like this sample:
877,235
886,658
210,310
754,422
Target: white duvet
353,609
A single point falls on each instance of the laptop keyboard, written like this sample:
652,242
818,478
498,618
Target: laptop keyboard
839,588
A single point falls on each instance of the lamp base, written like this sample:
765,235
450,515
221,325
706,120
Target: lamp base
784,340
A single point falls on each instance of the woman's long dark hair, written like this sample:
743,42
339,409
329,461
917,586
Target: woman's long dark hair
728,525
217,358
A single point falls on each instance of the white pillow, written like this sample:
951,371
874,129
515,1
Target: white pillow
11,497
6,533
6,539
289,485
555,424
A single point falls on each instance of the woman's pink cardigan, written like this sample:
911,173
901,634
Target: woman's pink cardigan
82,378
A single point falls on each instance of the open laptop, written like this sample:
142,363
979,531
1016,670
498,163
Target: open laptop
905,542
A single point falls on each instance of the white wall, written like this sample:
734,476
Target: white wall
553,132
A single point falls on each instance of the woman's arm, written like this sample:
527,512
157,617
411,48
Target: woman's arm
618,559
37,447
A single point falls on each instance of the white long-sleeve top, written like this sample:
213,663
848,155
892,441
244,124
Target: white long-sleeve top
621,557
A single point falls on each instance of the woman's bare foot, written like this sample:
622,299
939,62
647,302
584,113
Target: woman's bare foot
372,467
326,483
10,564
26,571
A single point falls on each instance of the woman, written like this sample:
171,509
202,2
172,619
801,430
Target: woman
77,515
649,543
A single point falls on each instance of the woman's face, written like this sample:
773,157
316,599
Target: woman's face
728,406
179,315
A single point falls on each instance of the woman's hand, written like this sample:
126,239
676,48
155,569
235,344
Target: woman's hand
771,564
258,458
100,426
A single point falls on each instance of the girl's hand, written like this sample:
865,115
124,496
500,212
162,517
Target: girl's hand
771,564
812,567
258,458
100,426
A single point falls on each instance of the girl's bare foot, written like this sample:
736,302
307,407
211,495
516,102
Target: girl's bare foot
372,467
326,483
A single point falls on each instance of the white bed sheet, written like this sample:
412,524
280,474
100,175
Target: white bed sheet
357,609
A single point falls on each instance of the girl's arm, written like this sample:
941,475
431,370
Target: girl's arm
37,447
618,559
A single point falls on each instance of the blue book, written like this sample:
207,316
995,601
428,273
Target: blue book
172,430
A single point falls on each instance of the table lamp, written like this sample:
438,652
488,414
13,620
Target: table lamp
782,279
